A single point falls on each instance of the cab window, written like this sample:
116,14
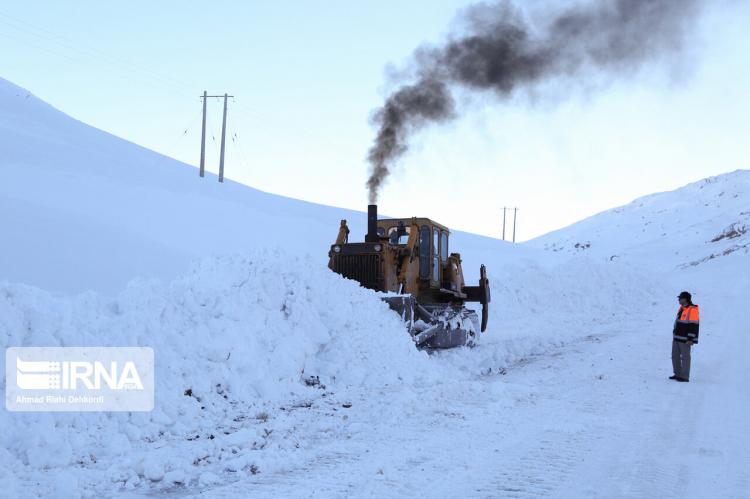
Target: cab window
443,245
424,252
435,255
403,239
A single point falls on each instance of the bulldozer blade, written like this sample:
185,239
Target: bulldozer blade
404,305
435,326
485,316
427,334
484,285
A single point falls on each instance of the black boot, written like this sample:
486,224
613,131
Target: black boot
674,376
683,380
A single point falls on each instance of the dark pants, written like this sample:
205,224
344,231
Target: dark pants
681,359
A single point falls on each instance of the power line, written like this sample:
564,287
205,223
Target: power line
187,128
61,46
240,150
61,41
122,66
67,48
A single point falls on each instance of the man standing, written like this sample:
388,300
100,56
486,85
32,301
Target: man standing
684,336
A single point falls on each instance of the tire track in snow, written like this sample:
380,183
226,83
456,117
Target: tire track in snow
539,471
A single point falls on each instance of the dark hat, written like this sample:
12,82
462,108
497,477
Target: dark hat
686,295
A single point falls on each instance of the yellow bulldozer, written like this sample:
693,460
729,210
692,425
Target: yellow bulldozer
408,259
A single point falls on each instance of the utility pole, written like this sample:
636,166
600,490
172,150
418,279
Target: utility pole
203,137
223,139
504,210
515,212
223,135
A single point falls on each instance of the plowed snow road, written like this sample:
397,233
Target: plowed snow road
598,418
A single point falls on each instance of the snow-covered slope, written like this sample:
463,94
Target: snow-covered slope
86,210
689,226
89,211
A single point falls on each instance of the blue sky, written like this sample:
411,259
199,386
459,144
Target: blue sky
306,76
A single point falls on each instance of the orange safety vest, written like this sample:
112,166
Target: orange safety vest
687,325
690,314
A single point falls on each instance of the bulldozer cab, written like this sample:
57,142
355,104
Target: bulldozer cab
431,243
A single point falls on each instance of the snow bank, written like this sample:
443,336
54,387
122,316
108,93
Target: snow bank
234,337
538,307
235,341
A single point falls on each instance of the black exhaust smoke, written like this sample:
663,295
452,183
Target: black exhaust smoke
372,224
500,53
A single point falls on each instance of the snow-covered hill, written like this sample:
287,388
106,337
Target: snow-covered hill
86,210
107,243
89,211
689,226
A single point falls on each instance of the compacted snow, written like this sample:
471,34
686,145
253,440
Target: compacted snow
278,378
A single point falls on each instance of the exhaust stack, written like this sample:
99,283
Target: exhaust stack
372,224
